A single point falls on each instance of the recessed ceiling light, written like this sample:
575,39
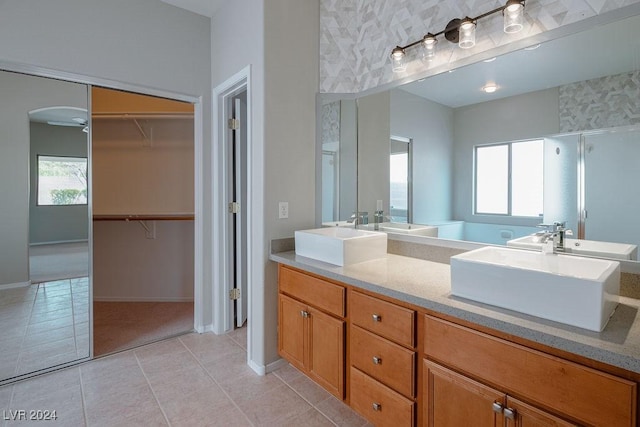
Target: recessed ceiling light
490,59
534,47
490,88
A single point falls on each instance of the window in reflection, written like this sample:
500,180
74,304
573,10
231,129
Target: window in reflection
62,181
399,180
509,179
492,179
527,178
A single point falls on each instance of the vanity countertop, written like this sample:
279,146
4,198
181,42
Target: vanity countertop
427,284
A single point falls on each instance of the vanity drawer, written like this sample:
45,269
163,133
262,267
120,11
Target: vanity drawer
324,295
383,318
565,387
378,403
385,361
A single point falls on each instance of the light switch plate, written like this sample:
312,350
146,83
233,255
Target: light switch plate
283,210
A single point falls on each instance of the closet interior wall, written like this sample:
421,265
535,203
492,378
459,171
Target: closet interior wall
143,198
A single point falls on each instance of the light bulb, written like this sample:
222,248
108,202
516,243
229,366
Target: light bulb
467,34
429,43
490,88
398,63
513,16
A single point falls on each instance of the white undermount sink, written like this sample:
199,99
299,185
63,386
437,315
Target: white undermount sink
341,245
403,228
577,291
582,247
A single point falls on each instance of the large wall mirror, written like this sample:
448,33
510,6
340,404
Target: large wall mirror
44,232
487,152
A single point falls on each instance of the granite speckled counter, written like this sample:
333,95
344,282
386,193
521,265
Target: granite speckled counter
427,284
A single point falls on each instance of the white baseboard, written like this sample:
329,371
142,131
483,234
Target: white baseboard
201,329
141,299
15,285
263,370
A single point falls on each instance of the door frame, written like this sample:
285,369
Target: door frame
222,306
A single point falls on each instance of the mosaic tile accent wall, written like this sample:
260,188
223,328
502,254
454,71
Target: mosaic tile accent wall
356,36
600,103
331,122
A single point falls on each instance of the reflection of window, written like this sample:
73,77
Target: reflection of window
62,181
509,179
399,180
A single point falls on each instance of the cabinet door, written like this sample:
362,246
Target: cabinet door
291,330
452,400
520,414
326,351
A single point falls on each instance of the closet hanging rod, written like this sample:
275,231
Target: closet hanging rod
141,116
159,217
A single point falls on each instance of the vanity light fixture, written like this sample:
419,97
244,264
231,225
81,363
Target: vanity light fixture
462,32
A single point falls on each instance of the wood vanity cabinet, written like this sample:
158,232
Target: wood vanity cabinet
525,386
382,360
455,400
311,327
401,366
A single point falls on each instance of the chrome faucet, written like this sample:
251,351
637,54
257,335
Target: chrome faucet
554,236
378,218
359,218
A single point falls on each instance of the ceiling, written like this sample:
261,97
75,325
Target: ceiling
60,116
201,7
599,51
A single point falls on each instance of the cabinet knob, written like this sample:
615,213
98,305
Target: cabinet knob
304,313
377,318
377,407
377,360
497,407
510,413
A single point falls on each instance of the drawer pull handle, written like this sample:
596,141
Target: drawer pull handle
497,407
304,313
377,360
510,413
377,407
377,318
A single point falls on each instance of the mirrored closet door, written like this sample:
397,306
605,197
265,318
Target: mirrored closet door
44,224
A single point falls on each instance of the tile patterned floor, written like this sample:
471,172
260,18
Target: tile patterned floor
191,380
43,325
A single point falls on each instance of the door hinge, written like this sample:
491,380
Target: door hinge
234,294
234,124
234,207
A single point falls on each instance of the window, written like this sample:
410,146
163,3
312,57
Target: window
509,179
62,181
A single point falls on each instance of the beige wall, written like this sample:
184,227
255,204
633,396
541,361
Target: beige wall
132,175
52,224
373,152
291,83
129,267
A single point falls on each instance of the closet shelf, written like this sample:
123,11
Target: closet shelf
145,217
141,116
